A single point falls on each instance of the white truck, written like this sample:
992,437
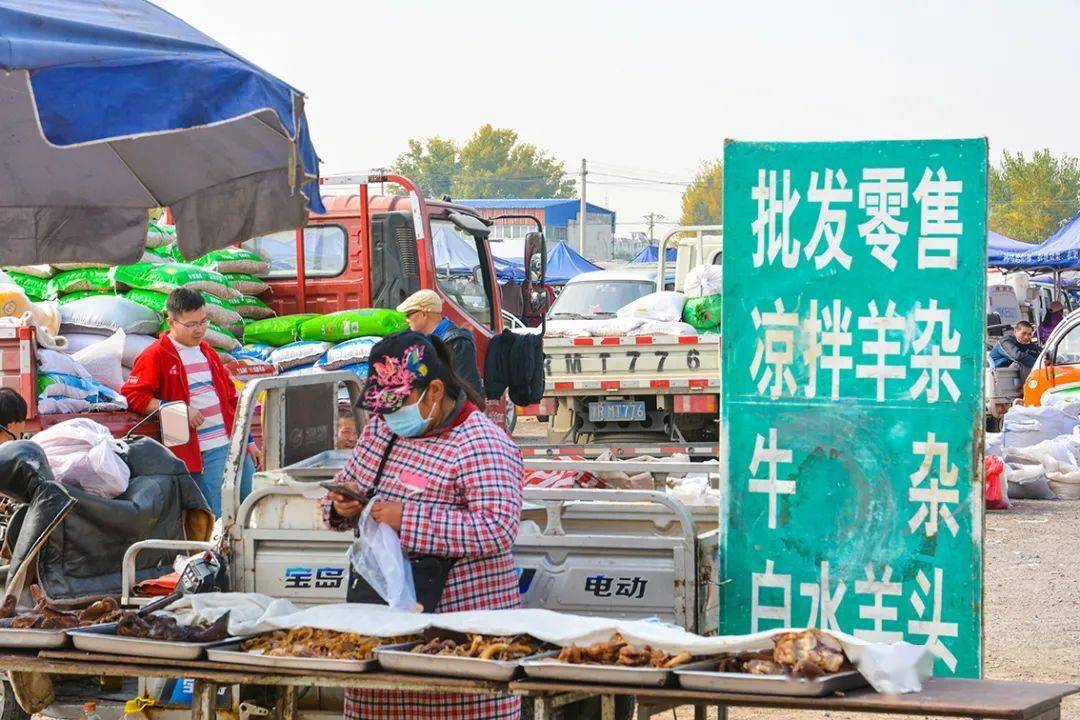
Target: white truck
661,385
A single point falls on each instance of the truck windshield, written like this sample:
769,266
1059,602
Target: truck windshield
597,299
458,270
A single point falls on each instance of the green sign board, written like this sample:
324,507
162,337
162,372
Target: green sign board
854,301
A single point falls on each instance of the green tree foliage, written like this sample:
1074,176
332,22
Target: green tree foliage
432,163
1029,200
492,164
703,199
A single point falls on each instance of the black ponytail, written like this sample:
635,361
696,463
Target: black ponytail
453,382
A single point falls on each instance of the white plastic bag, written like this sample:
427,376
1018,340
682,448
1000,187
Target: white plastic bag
379,558
666,306
84,455
103,360
704,280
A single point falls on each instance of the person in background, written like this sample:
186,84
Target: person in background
449,482
182,366
346,429
13,413
1054,314
1019,347
424,311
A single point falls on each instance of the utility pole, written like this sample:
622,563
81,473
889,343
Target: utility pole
581,212
651,219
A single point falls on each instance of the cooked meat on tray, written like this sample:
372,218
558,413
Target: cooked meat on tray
807,654
618,651
46,617
165,627
308,642
483,647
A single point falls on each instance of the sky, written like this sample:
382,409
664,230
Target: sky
650,90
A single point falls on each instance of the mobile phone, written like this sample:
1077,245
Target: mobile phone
349,491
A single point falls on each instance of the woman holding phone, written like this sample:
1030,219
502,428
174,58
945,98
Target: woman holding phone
449,481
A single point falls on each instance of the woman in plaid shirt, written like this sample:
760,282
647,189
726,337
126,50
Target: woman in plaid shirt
451,487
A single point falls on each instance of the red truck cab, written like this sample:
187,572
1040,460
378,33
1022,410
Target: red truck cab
375,251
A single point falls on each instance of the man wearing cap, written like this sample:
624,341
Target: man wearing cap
424,311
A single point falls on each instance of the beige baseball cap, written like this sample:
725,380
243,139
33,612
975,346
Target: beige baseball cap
422,301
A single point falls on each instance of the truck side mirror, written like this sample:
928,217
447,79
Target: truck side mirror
175,429
535,270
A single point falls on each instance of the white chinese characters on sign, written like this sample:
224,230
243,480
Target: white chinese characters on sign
831,220
932,627
934,492
935,366
773,224
884,197
881,347
773,456
824,602
775,352
877,612
940,225
883,193
759,609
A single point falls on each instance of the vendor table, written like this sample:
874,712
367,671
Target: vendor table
940,697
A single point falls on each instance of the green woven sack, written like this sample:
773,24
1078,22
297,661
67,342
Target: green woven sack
167,277
251,308
234,260
276,331
349,324
35,288
71,281
703,314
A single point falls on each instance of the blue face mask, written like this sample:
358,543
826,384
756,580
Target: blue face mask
408,422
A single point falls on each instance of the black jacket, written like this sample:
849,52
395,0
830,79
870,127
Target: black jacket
515,361
463,349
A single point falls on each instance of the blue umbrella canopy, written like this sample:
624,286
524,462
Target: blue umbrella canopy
110,108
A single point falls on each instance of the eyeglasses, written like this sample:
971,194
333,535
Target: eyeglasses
194,325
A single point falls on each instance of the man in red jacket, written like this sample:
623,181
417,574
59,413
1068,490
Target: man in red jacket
182,366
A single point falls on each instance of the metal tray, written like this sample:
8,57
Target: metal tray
697,677
103,639
595,673
32,639
324,465
231,653
399,657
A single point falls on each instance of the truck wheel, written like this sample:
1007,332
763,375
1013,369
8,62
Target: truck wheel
9,707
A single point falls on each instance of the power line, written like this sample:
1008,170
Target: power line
641,179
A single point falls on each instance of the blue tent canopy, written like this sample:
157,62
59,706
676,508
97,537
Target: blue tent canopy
1060,251
115,107
564,263
650,254
1004,252
453,253
508,270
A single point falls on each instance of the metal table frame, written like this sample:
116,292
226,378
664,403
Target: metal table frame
940,697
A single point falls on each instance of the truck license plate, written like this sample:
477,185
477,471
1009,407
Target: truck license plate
616,411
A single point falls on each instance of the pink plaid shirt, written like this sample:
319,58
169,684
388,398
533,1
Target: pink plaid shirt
461,490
